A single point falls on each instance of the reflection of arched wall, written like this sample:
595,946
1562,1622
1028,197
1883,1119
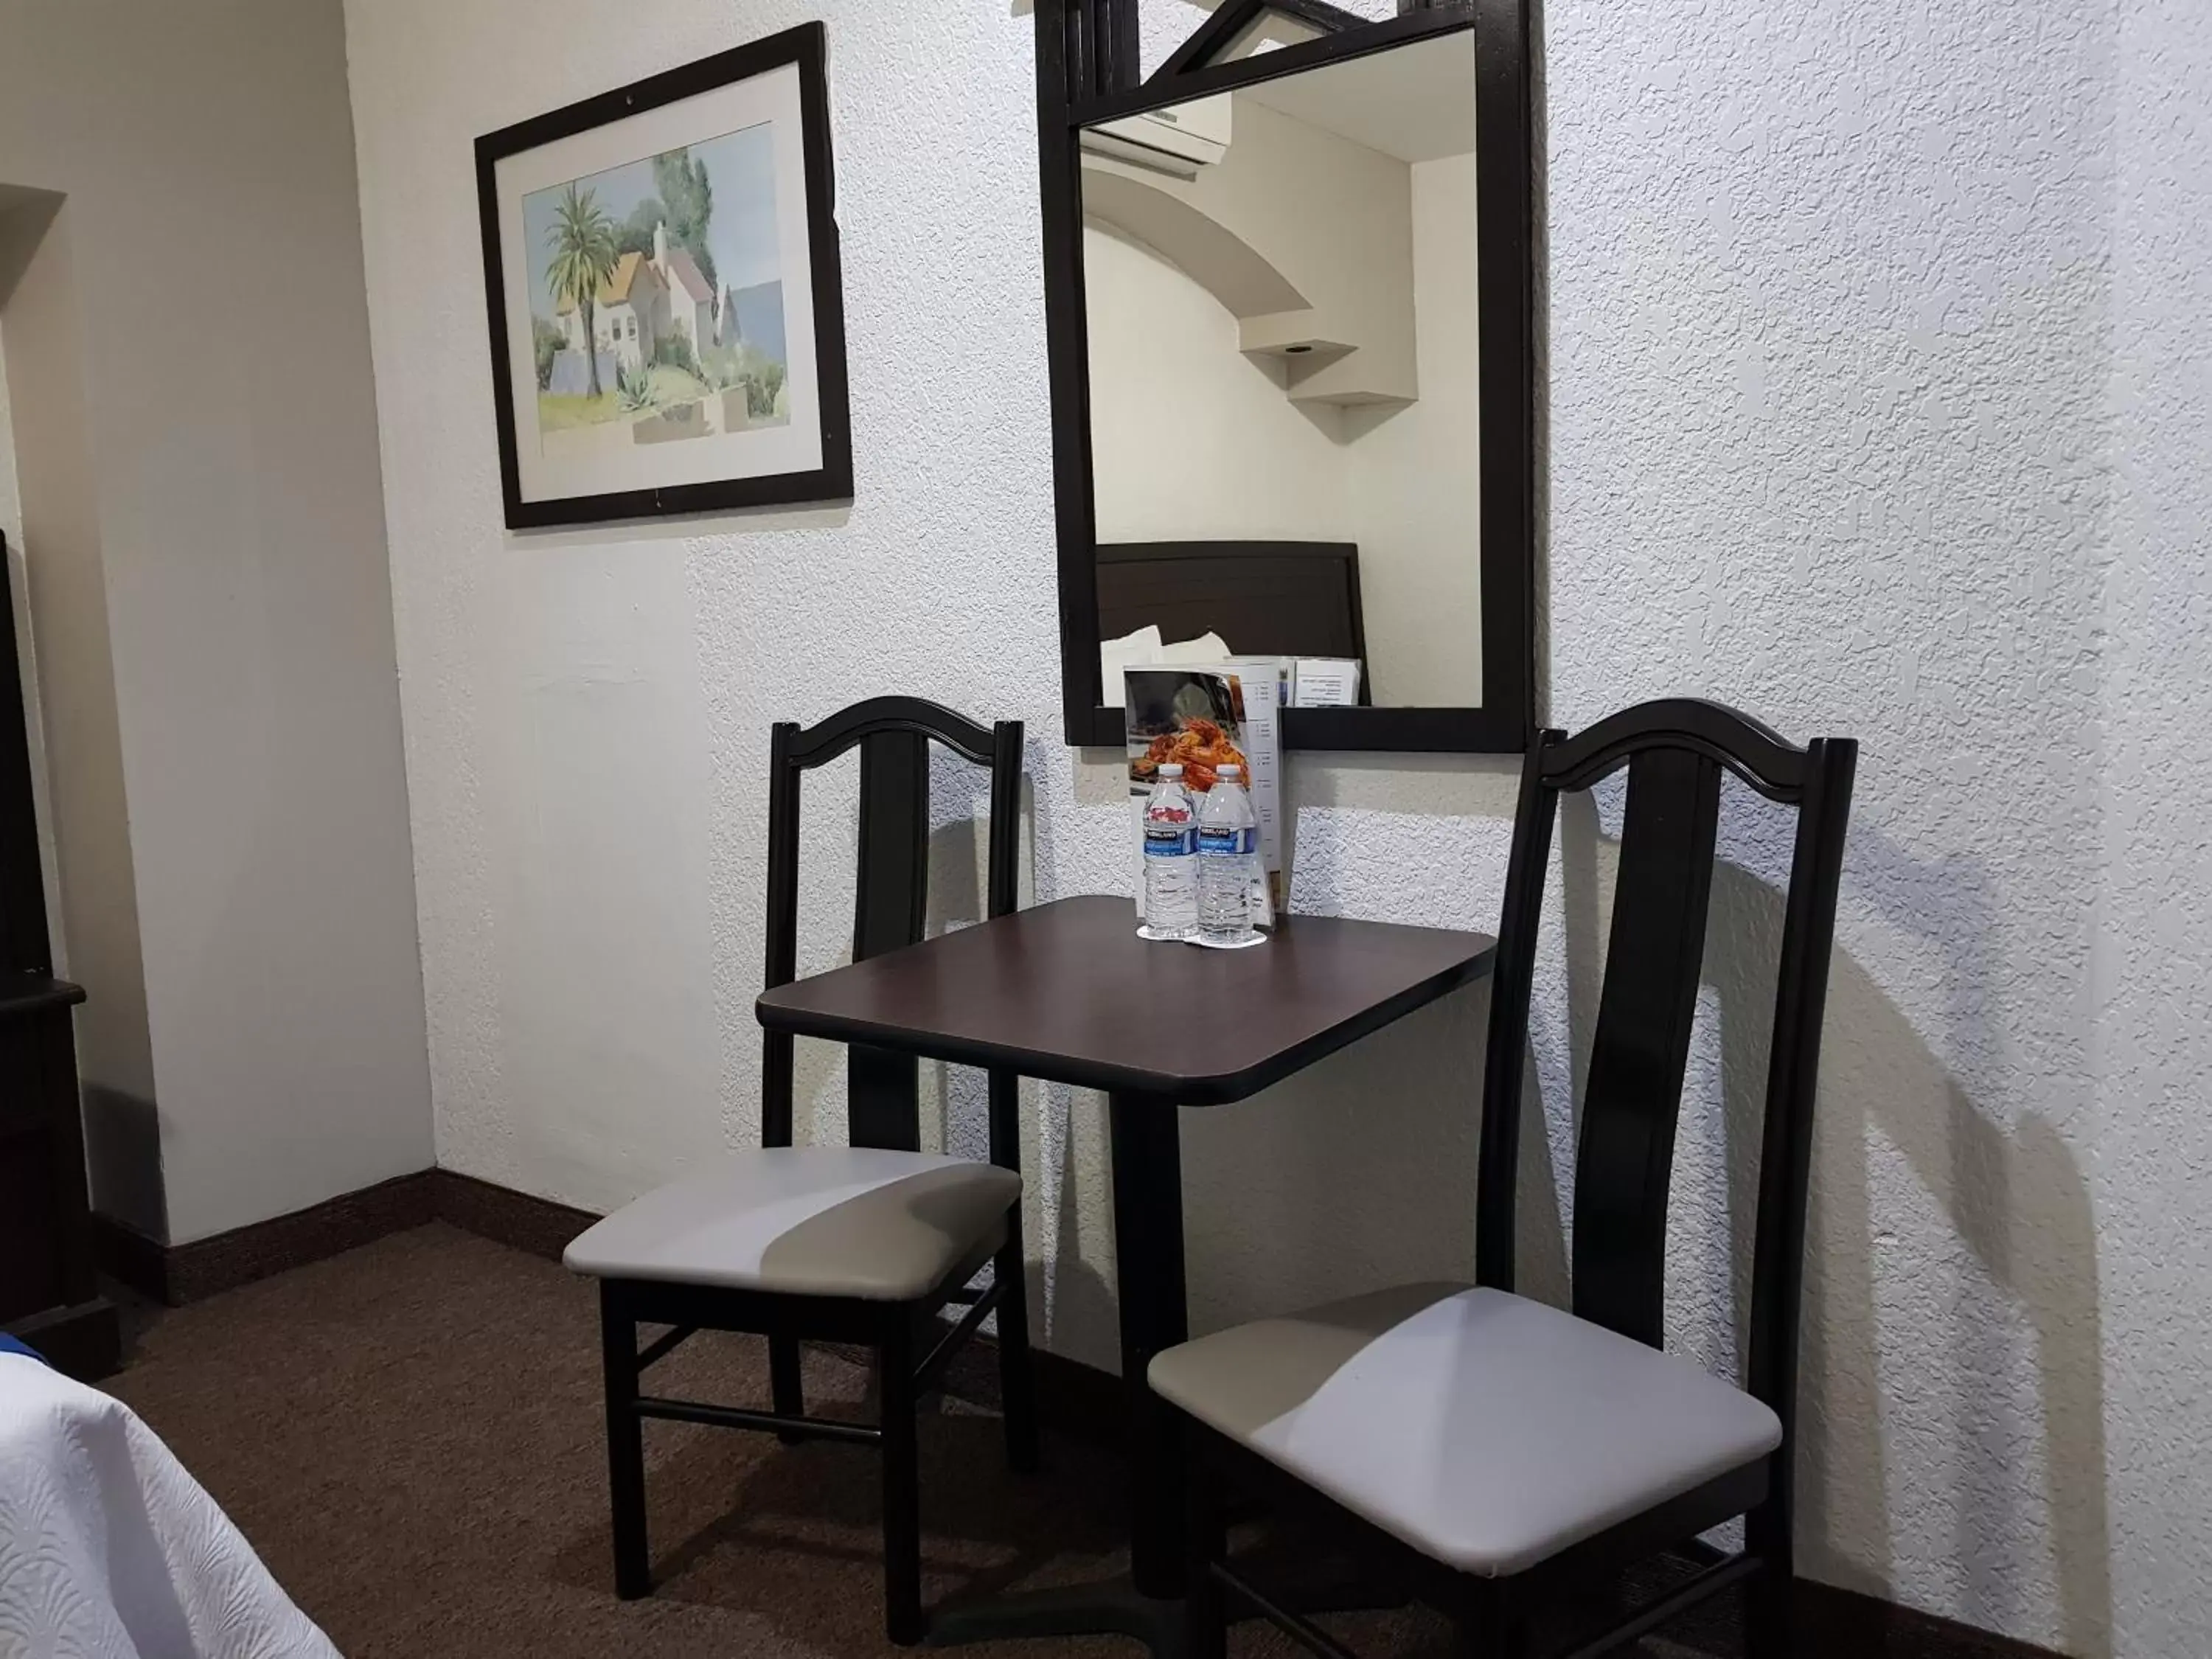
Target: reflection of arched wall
1207,252
1193,436
1305,237
1188,437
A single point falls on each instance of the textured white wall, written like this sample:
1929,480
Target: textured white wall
1836,294
2150,979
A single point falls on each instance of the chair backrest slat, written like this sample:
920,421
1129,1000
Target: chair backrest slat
891,891
890,903
891,888
1642,1044
1675,753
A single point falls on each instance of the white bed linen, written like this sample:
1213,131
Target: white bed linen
110,1550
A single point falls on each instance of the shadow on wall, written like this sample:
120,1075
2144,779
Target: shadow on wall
2017,1198
2020,1201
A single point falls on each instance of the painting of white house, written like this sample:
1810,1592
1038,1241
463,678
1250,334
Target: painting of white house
656,299
666,296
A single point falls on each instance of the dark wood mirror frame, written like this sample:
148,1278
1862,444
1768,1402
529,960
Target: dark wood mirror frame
1087,72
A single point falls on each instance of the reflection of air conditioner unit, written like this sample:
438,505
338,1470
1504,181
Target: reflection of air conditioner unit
1180,141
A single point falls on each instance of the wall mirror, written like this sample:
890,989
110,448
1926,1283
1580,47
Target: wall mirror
1289,277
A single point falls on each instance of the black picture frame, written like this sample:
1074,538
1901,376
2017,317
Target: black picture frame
807,47
1088,71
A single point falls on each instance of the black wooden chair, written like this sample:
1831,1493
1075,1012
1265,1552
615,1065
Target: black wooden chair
867,1242
1494,1451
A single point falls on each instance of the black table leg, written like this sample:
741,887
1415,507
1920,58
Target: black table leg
1155,1316
1148,1259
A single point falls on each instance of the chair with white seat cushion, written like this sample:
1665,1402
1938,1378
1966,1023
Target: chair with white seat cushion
867,1242
1494,1451
860,1221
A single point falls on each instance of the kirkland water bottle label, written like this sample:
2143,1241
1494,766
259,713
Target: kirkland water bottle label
1226,840
1163,842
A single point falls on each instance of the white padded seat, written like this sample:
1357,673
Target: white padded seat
855,1221
1488,1432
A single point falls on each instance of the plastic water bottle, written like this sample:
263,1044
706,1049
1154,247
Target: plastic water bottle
1227,860
1170,859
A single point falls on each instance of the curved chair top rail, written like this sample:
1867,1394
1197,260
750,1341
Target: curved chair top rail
1761,756
815,745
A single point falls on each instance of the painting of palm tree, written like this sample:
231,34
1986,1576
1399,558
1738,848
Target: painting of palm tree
662,274
639,333
580,256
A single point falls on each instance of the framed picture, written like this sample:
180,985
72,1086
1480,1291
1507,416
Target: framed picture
667,305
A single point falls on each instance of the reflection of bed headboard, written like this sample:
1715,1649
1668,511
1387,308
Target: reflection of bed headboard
1265,598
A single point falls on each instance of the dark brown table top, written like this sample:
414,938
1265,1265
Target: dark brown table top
1069,993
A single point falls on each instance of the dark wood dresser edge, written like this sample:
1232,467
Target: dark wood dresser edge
84,1340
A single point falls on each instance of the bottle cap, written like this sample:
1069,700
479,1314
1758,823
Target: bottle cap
1230,770
1171,769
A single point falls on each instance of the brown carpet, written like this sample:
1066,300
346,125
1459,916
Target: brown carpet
410,1436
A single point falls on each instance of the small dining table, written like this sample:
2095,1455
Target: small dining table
1067,993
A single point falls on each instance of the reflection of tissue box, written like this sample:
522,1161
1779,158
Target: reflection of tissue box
1144,649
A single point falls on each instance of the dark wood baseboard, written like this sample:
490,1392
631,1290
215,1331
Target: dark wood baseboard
535,1226
177,1273
1833,1623
1075,1399
174,1274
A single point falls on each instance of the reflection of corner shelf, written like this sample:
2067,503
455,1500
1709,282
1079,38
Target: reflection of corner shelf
1329,313
1318,368
1349,398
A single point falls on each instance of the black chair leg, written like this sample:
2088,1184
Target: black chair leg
1206,1541
625,1446
785,1390
1016,1379
1769,1626
901,1409
1489,1623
